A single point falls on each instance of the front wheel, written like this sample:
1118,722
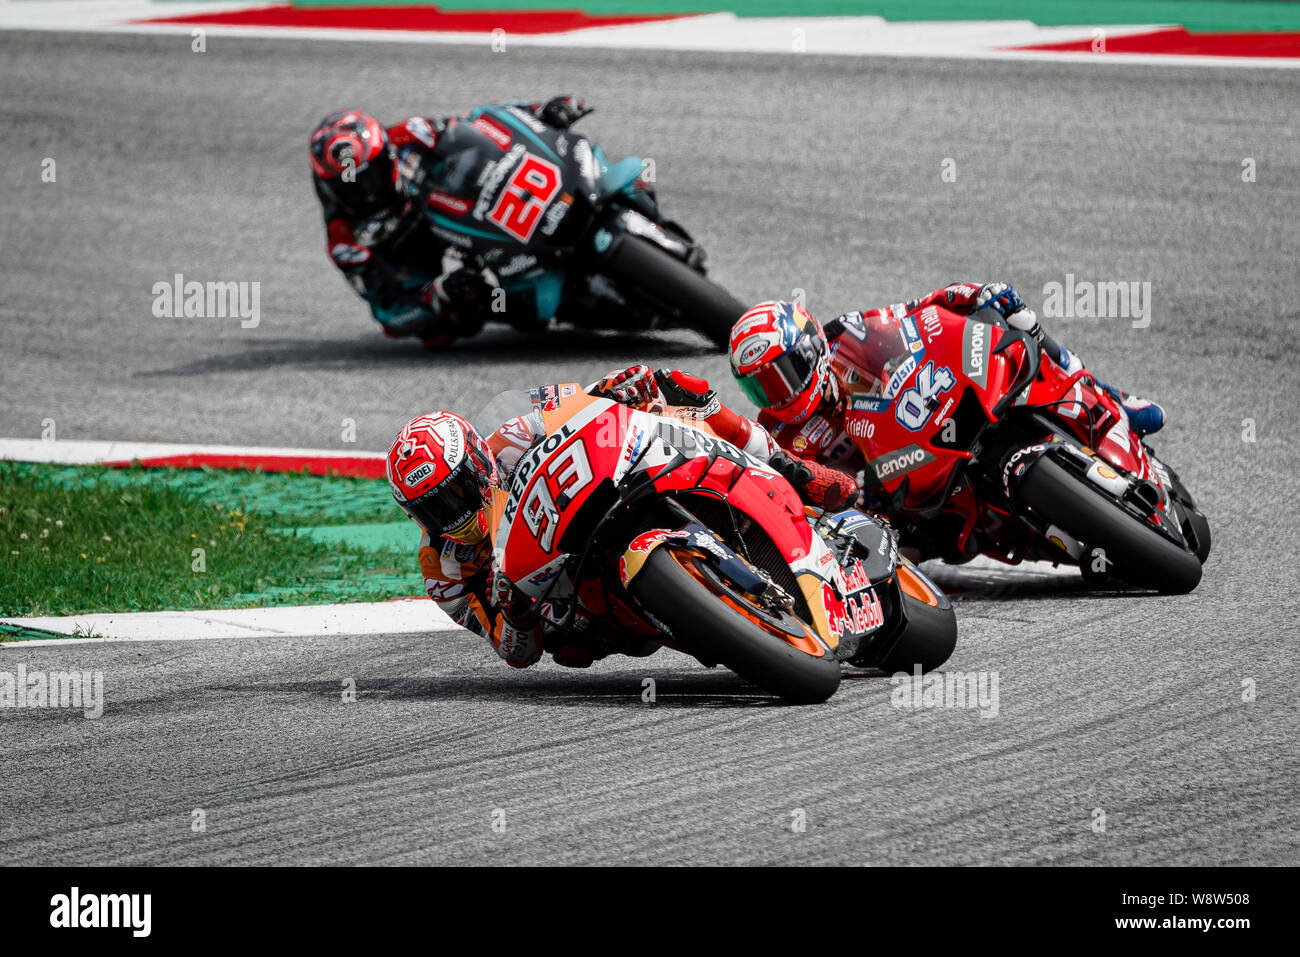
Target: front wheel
714,622
929,631
1132,550
674,288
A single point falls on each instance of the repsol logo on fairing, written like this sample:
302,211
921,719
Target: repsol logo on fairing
904,460
529,464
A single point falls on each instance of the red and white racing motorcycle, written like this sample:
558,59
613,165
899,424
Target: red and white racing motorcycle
646,526
977,447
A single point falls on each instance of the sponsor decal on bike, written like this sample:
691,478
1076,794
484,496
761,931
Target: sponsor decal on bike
492,177
632,447
904,460
862,612
546,574
858,427
448,203
641,546
1017,464
849,521
1064,541
869,403
901,375
856,579
527,119
931,324
835,610
1105,477
912,410
454,238
913,337
974,352
494,131
710,544
529,463
555,215
516,265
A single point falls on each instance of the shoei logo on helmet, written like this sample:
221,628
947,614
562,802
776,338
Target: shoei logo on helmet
414,478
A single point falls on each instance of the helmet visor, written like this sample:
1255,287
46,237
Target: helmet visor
449,507
777,382
368,189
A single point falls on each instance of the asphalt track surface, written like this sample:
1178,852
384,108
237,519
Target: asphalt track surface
822,174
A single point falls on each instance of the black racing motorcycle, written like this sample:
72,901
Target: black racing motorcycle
570,234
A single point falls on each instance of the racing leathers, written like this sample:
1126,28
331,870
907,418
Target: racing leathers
463,581
416,282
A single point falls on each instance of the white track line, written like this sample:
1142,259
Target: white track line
402,617
79,452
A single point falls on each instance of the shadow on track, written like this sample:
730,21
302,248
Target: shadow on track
490,349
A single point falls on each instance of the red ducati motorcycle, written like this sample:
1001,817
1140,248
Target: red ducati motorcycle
645,528
977,447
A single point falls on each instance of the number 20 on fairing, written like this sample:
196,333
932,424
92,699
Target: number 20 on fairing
525,197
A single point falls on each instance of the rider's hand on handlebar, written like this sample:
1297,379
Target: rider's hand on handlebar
513,603
634,386
563,111
1001,297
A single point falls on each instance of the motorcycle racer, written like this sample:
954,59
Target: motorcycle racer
442,473
798,372
374,185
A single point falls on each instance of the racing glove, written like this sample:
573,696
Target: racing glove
562,112
634,386
1005,300
519,647
518,636
463,296
816,484
1008,304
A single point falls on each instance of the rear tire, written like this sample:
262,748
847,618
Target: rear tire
713,631
1136,553
674,288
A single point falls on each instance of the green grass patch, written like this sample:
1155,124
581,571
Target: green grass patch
77,539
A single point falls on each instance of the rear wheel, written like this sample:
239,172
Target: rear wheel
716,623
1133,551
674,288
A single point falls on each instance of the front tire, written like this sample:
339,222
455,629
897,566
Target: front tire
1136,553
930,635
674,288
680,594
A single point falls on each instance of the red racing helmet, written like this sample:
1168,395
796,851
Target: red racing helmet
781,361
442,474
352,161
